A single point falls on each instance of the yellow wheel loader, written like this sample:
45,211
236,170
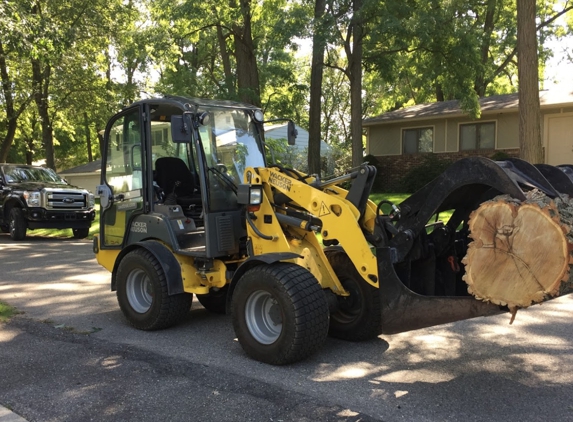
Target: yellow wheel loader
190,206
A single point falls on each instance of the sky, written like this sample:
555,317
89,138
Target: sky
559,71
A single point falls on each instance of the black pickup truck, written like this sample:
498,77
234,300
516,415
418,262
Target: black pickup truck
34,197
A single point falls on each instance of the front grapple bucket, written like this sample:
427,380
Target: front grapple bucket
420,260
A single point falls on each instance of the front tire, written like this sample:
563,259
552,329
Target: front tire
280,313
359,316
17,224
81,233
143,296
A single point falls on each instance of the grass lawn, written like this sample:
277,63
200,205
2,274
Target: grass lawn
94,229
6,312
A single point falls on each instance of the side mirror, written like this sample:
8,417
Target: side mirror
181,129
291,133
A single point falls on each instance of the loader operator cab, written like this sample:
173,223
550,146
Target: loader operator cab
175,162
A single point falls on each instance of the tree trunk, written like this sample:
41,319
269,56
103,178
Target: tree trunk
88,137
12,114
355,71
528,73
520,253
229,77
41,82
316,71
247,70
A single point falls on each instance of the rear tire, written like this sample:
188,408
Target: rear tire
143,296
280,313
359,316
215,301
17,224
81,233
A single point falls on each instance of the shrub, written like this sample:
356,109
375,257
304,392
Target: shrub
379,181
430,168
499,156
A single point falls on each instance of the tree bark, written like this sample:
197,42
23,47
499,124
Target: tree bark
247,69
528,74
316,72
355,71
41,82
88,137
520,253
12,113
229,77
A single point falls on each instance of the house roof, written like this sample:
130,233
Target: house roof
495,103
93,167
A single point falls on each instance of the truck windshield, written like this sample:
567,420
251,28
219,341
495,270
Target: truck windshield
230,143
16,174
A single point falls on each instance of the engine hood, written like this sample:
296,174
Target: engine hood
37,186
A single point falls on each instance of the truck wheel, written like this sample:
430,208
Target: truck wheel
5,228
17,224
142,293
81,233
215,301
280,313
359,316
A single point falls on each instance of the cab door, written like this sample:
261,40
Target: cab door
122,190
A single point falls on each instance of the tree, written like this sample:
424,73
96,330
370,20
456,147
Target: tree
316,69
529,111
460,49
14,73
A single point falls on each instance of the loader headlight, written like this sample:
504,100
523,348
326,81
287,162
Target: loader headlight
259,116
251,196
32,198
256,196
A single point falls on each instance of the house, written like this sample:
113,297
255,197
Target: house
86,176
279,131
296,156
401,139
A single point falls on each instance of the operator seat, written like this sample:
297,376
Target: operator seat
174,177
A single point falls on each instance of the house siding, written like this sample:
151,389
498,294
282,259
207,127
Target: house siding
384,140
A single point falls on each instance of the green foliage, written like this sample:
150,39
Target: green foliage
96,57
379,181
500,156
6,312
430,168
279,152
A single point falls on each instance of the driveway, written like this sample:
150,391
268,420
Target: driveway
476,370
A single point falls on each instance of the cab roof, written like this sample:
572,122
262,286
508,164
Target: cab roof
191,102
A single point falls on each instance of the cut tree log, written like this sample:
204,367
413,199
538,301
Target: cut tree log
520,251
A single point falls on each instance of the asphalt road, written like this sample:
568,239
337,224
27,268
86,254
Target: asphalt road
71,356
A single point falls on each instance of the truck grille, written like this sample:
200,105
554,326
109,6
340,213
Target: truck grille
65,200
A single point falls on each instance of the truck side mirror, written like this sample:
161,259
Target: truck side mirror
181,129
291,132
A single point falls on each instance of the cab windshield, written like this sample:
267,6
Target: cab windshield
229,140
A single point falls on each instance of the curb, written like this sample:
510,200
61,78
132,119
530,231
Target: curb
7,415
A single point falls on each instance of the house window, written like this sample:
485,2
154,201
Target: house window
417,140
159,137
477,136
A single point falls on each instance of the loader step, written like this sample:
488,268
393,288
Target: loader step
192,243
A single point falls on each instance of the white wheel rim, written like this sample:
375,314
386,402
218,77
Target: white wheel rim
263,317
139,292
